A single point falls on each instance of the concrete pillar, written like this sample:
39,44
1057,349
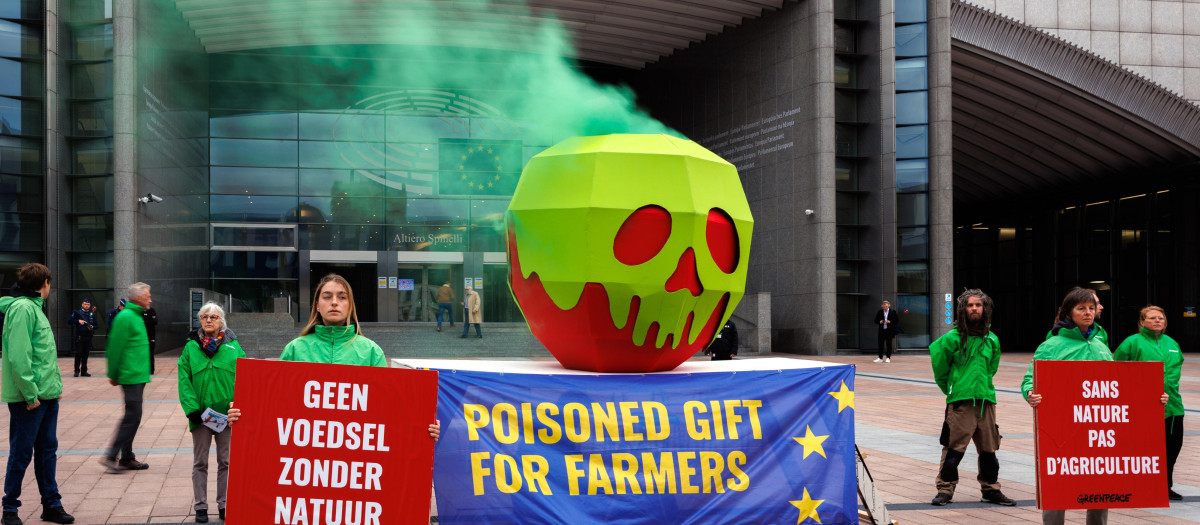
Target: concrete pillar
126,209
941,167
805,320
57,231
886,256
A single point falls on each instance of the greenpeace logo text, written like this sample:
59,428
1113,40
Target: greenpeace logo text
1103,498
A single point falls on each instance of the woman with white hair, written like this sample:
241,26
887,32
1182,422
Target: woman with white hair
206,372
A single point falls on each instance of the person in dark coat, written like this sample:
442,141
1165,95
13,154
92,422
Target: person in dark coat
150,317
889,326
84,322
724,346
113,313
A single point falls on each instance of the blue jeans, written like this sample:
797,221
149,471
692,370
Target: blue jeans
32,436
448,309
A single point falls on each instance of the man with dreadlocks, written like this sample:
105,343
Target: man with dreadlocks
964,362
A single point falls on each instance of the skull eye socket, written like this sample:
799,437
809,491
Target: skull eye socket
642,235
722,240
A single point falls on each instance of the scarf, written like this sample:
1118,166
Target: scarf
211,344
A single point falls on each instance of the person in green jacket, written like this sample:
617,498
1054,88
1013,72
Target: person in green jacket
1100,334
1151,344
31,384
1074,337
964,362
207,368
333,335
126,350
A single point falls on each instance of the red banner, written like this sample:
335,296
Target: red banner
321,444
1100,438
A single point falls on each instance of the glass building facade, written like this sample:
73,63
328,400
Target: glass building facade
88,96
306,153
912,173
22,134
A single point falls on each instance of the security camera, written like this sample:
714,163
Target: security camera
149,197
808,212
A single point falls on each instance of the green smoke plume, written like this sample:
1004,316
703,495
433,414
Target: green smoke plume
503,54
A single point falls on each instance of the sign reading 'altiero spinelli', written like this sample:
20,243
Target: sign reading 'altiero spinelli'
324,444
1100,436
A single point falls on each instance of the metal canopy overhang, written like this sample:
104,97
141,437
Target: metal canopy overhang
627,33
1034,115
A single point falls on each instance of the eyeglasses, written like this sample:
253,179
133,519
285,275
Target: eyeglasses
1156,318
210,318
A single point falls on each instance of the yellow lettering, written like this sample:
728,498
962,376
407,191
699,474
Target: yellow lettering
732,417
741,481
552,433
659,479
477,418
573,472
478,471
718,426
697,429
598,476
535,469
506,466
625,469
753,406
575,418
606,421
712,464
658,426
505,427
630,420
527,422
685,473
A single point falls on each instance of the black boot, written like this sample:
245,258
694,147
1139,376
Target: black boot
202,516
57,515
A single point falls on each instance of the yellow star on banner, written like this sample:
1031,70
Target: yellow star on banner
808,508
812,443
845,397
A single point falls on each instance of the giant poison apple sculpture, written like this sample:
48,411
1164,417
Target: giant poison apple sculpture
627,252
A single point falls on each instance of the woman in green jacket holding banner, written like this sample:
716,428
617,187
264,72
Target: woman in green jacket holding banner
207,368
333,335
1074,337
1151,344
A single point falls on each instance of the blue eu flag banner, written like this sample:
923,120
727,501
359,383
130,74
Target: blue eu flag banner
478,167
750,441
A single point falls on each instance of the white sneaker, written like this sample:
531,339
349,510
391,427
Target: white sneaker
878,361
888,360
